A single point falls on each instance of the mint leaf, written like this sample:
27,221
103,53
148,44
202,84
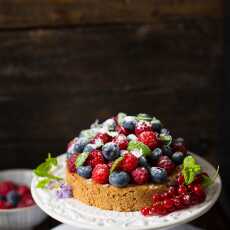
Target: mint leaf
166,139
42,183
136,145
43,170
144,117
120,118
81,159
208,181
190,169
51,176
51,160
116,164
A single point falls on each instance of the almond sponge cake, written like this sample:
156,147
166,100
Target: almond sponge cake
130,198
130,163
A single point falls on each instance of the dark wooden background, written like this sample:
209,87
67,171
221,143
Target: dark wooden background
64,63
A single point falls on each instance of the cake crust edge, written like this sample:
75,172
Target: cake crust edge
108,197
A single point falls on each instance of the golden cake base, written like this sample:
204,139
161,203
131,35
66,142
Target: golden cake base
130,198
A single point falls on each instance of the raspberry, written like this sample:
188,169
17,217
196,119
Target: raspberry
121,130
104,137
100,173
95,158
142,126
70,144
121,141
2,204
71,162
110,164
140,175
5,205
179,147
166,163
26,201
6,186
23,190
149,138
129,162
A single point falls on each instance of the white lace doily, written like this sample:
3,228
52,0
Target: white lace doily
72,212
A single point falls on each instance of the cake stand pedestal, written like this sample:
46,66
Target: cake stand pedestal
80,216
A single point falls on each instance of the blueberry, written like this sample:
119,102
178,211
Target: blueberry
110,151
119,179
143,162
167,150
84,171
13,197
2,198
165,131
178,157
129,123
69,154
110,124
156,125
80,144
156,153
89,148
131,137
179,140
158,175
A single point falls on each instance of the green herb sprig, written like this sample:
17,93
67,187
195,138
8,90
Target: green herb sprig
190,169
137,145
208,181
44,170
116,163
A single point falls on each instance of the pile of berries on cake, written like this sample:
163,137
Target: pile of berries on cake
13,195
136,150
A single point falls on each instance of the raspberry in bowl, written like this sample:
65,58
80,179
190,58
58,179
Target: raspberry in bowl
17,208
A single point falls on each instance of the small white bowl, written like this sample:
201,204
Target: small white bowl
20,218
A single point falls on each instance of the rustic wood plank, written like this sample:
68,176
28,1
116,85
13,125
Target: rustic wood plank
46,13
43,55
51,86
28,154
55,82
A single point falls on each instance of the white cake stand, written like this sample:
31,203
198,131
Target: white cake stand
74,213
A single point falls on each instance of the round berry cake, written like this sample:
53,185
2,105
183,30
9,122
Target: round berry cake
131,163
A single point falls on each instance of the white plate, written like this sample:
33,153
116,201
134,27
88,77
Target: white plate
73,212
